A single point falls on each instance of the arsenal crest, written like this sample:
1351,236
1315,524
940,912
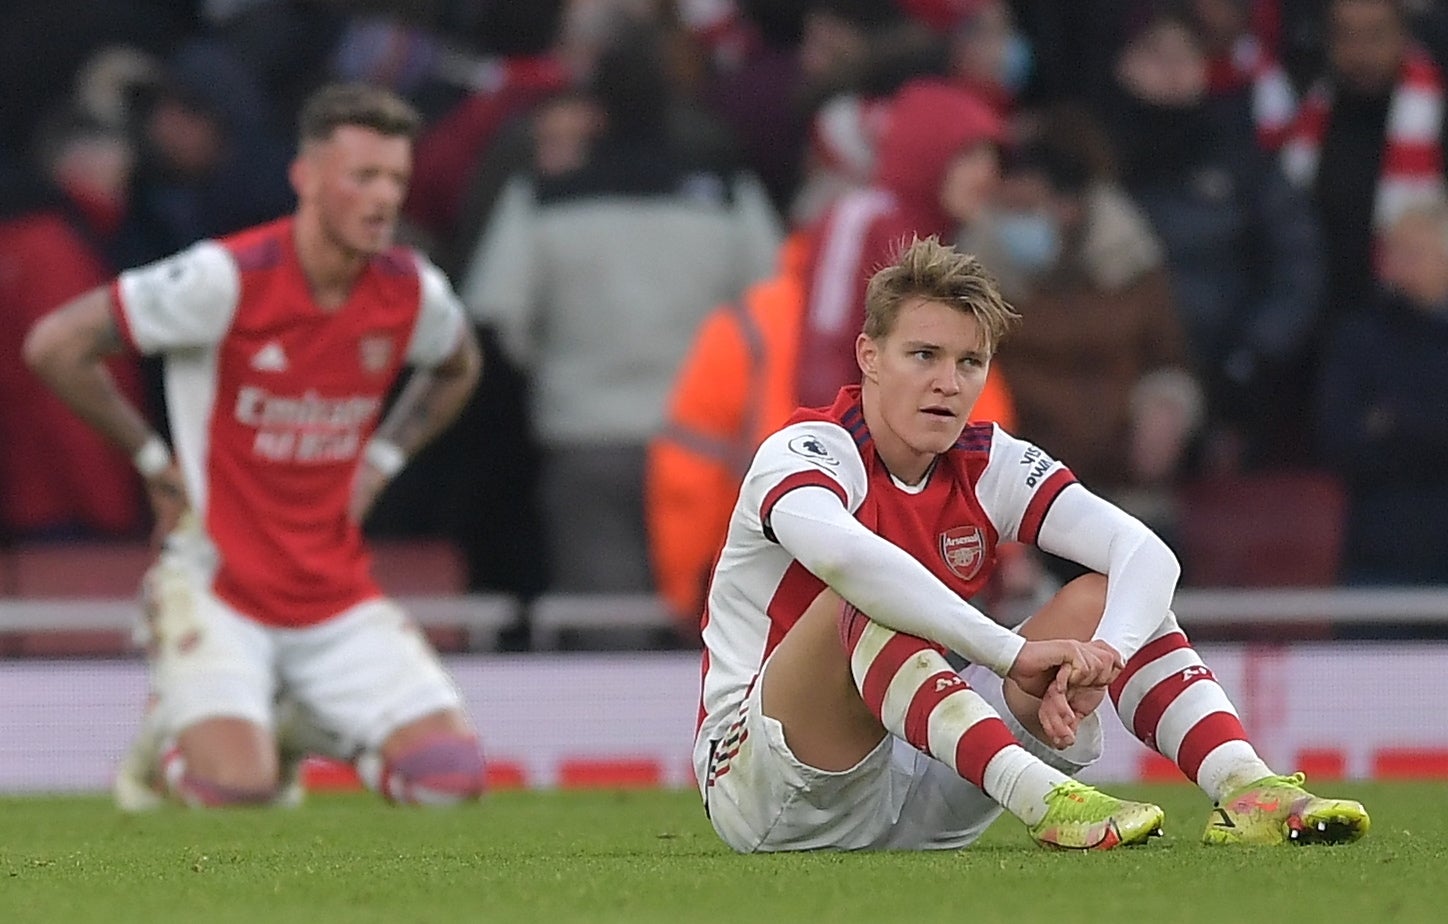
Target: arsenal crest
963,549
375,353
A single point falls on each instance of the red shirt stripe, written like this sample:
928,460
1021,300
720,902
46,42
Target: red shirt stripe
797,590
792,482
1041,502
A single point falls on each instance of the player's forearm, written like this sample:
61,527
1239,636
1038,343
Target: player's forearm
884,582
1141,572
67,349
432,400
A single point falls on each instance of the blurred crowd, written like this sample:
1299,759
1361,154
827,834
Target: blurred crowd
1223,221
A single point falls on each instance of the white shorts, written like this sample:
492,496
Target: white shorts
360,675
896,798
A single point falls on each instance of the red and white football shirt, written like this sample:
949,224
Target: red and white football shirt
271,398
990,488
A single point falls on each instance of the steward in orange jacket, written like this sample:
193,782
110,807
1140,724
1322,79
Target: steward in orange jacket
735,387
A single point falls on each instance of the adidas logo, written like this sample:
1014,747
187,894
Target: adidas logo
270,358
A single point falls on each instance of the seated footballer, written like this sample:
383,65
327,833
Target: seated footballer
830,715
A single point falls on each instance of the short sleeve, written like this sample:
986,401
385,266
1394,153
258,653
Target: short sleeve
1018,486
186,300
808,454
439,319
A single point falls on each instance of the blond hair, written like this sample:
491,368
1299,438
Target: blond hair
338,104
938,272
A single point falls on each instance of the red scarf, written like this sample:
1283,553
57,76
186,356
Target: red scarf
1274,102
1412,167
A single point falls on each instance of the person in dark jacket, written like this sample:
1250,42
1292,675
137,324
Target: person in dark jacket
1242,245
1381,416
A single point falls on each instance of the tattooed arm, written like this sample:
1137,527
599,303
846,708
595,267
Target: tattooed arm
67,350
431,400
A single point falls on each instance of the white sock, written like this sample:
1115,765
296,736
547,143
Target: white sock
1230,766
1019,781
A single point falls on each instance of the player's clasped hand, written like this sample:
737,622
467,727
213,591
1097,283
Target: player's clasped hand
1078,688
167,493
1070,677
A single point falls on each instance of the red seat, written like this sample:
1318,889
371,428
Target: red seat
418,567
79,569
1270,529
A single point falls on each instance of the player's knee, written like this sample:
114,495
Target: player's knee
219,786
442,769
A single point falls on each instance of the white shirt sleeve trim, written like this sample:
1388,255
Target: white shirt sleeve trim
440,319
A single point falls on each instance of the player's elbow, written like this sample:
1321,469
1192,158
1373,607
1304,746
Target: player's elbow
465,366
1163,560
45,346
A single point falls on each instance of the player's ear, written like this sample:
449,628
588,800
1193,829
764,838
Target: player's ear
299,173
867,354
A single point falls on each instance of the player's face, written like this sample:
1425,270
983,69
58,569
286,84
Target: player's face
355,183
920,381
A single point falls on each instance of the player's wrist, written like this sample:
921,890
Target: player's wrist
153,458
385,456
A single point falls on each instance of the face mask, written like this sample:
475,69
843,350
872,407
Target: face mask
1030,240
1017,65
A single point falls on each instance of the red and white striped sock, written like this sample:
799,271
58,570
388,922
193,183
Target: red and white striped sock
1171,701
907,683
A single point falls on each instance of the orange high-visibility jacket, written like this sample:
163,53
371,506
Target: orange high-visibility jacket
734,389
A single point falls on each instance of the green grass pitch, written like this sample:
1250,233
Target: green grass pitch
651,856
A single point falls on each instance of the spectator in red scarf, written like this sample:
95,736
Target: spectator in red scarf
1369,139
1241,64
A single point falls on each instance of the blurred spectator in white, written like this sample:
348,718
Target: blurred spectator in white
1369,139
58,477
1242,244
936,165
1098,367
554,134
1240,65
1383,413
596,280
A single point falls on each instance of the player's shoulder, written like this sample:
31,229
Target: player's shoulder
259,248
810,439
